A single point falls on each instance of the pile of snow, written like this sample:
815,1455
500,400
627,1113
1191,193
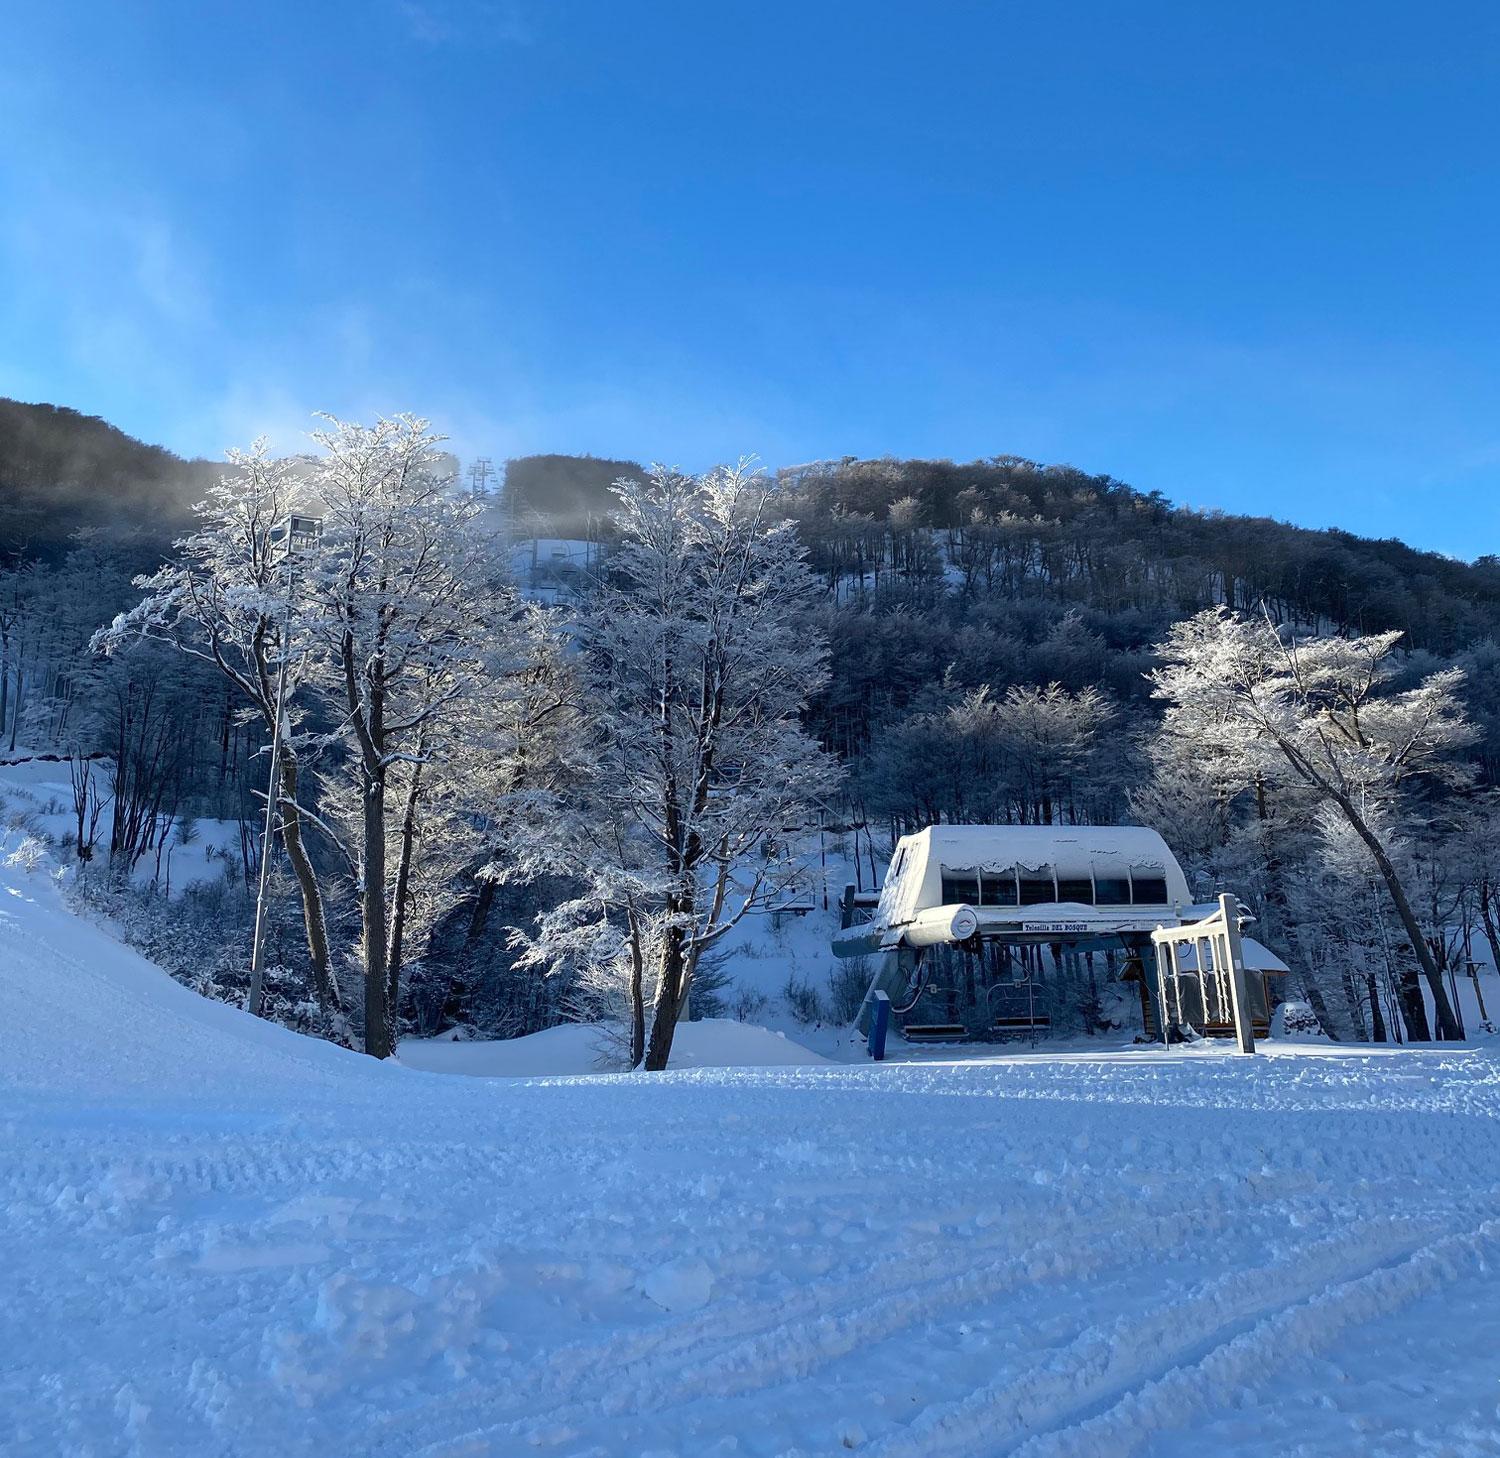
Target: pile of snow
221,1238
684,1285
1295,1019
582,1048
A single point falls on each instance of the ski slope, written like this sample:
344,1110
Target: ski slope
219,1238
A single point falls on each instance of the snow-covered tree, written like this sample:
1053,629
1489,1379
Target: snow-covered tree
410,616
226,598
1051,739
1031,756
698,660
1325,717
404,655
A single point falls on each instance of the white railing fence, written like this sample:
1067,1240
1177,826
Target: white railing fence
1217,971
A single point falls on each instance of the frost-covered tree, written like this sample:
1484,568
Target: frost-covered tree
698,660
225,599
1030,756
403,653
419,641
1051,740
1326,717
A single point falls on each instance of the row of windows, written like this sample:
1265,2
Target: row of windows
1026,886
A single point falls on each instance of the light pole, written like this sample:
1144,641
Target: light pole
299,532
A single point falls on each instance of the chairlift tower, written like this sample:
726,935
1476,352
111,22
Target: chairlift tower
481,471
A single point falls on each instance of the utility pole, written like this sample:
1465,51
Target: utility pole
300,531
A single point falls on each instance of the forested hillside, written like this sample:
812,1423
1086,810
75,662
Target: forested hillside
563,496
1054,531
936,641
1008,571
62,472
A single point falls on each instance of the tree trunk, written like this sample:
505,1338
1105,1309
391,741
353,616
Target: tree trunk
1319,1005
380,1033
667,1003
313,917
637,998
479,917
1354,1004
1491,936
1377,1018
1447,1023
1413,1009
365,689
15,721
403,891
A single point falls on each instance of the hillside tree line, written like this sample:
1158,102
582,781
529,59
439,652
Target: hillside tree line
496,809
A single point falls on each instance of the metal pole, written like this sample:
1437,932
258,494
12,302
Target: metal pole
258,946
1161,993
823,859
1244,1032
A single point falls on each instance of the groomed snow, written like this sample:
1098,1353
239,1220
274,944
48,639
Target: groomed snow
221,1239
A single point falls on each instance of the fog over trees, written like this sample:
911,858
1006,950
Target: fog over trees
510,793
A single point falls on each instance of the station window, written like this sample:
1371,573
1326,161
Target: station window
960,886
1035,890
1111,891
1148,890
1080,891
997,888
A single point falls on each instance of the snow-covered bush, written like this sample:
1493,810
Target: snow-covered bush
803,1000
202,939
847,986
28,855
749,1005
27,821
1296,1019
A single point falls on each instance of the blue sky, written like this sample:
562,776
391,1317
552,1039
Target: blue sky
1244,255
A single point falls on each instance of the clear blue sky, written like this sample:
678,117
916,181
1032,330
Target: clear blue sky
1247,255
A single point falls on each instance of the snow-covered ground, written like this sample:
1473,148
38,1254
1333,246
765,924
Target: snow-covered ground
192,851
219,1238
582,1048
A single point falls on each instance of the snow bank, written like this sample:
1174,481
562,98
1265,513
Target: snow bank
81,1015
581,1048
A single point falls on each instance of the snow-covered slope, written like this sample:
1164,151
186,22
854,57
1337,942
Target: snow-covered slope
221,1239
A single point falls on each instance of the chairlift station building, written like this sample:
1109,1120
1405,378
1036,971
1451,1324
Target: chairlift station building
970,916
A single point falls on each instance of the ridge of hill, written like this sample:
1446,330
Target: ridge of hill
1027,529
62,472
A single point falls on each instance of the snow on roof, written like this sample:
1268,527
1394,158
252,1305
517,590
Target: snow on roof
914,880
964,847
1258,957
